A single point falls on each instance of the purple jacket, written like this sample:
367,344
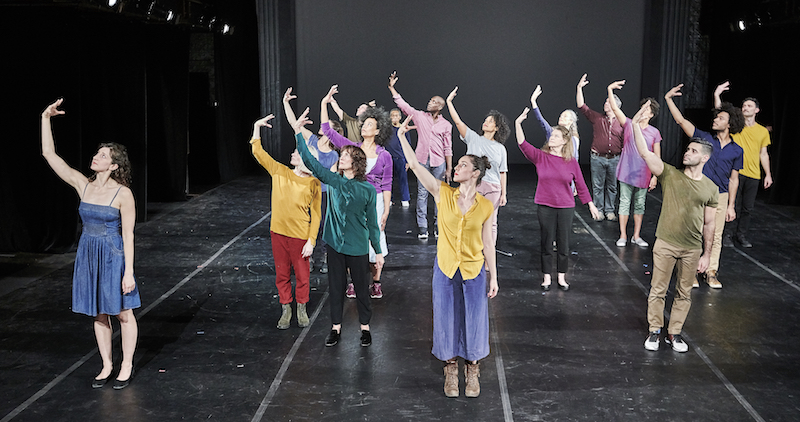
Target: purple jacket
381,175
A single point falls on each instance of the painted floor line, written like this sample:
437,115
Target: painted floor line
728,385
49,386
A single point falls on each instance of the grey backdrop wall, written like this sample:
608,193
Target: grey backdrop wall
496,52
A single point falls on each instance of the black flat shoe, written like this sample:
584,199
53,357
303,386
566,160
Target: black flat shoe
366,338
96,383
119,385
332,339
546,287
563,287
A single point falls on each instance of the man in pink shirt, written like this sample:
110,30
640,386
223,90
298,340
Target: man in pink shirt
434,148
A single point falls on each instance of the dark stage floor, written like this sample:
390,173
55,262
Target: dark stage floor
209,349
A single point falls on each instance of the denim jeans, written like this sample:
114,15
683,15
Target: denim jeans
604,182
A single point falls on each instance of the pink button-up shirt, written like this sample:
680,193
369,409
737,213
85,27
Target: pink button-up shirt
434,137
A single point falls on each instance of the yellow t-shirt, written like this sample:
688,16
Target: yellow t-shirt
295,200
752,139
460,244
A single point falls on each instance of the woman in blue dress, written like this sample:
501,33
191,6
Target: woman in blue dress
103,283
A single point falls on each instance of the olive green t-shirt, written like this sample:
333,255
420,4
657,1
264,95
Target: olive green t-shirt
683,207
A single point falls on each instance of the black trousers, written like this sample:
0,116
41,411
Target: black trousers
338,264
555,225
745,201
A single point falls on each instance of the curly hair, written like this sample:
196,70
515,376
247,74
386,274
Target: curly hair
383,122
568,150
501,122
359,162
119,156
735,117
481,164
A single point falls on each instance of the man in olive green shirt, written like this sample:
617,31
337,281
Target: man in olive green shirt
684,234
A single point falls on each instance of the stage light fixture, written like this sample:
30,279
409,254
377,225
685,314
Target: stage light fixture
112,3
741,25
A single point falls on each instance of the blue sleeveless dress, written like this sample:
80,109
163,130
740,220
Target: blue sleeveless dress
100,264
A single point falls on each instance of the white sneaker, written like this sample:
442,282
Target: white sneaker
640,242
652,341
621,242
677,343
405,204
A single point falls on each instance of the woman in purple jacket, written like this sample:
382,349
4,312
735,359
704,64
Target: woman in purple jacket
376,129
556,168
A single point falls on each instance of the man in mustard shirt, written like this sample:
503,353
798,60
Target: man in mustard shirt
753,139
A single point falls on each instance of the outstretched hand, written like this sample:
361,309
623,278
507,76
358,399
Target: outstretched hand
52,109
722,88
264,122
287,96
329,96
452,95
302,120
404,127
523,116
674,92
616,85
639,116
393,79
583,82
536,93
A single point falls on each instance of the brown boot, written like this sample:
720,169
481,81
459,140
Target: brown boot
711,279
472,372
451,379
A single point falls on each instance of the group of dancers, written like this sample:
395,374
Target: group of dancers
344,184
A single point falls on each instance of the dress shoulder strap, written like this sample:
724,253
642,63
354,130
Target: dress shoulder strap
84,190
115,196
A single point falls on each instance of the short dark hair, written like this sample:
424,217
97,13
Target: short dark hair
481,164
735,116
654,106
708,149
384,124
503,128
753,99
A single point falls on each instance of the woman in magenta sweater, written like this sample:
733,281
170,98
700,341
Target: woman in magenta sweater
556,168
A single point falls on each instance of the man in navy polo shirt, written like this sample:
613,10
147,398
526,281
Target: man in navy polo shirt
722,168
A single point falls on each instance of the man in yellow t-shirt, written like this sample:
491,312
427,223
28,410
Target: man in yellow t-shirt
753,139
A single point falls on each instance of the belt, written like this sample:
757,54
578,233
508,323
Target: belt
607,155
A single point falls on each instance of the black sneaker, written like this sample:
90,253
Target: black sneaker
423,233
743,241
652,341
677,343
366,338
332,339
727,242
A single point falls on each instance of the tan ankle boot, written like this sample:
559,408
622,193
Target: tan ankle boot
472,373
451,379
302,315
286,317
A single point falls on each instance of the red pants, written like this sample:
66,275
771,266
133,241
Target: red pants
288,253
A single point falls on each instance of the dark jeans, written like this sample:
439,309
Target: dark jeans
604,182
555,224
338,264
745,201
400,179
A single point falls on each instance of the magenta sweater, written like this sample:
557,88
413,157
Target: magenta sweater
555,176
381,175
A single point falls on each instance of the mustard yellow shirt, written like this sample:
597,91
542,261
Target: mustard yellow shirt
460,245
752,139
295,200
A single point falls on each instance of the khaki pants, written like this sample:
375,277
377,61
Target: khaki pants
666,257
719,226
